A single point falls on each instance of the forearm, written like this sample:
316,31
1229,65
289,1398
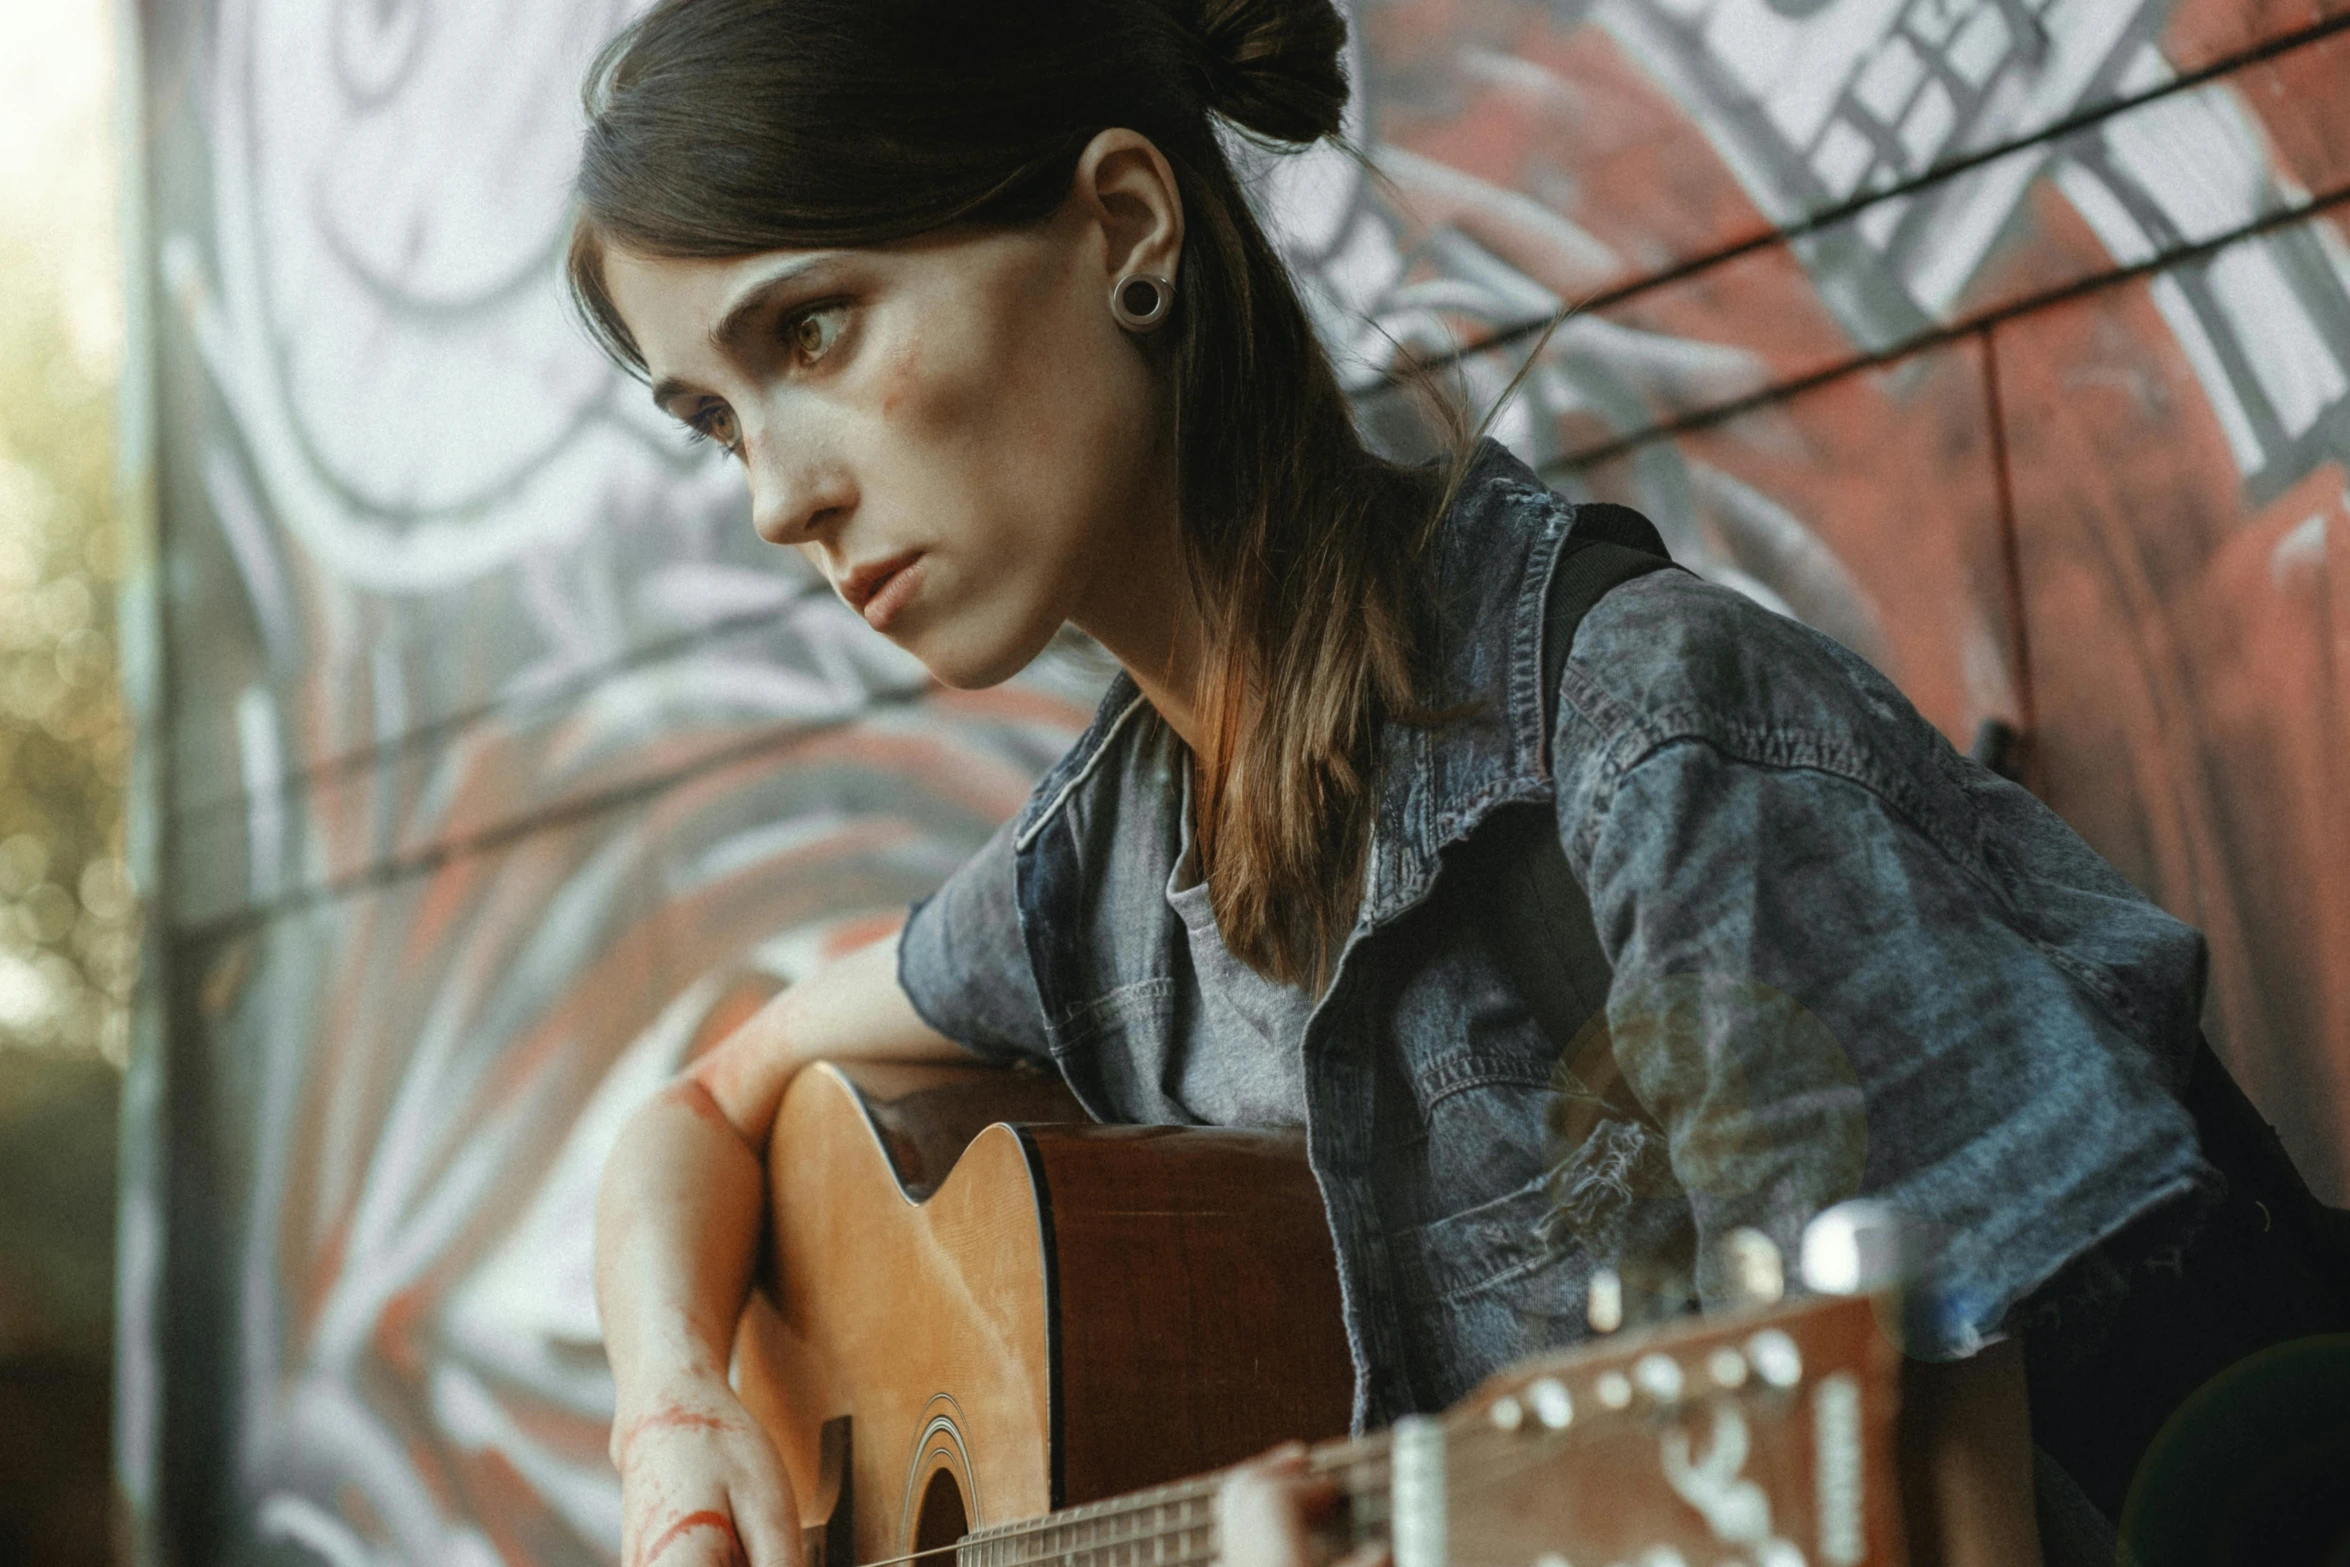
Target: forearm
676,1227
678,1215
676,1233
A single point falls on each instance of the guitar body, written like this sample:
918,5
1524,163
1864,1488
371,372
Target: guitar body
1017,1311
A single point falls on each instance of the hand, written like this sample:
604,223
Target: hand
1266,1511
700,1486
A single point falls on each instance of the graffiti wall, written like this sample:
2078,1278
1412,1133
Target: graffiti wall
493,767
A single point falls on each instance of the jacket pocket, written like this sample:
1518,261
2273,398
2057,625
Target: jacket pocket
1487,1286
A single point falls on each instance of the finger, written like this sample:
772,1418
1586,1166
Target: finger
709,1550
770,1531
1307,1495
1312,1495
766,1509
1282,1455
1262,1514
702,1551
1256,1486
1289,1458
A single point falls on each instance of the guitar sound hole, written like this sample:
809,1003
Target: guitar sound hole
941,1521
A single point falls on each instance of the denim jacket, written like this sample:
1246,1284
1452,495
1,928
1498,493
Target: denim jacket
1846,961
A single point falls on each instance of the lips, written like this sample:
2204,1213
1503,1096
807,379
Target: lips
876,589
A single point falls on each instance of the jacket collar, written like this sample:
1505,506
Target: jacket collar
1121,706
1494,558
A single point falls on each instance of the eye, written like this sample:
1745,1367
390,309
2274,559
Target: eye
811,333
714,422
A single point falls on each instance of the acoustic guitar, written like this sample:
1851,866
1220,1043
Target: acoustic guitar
989,1333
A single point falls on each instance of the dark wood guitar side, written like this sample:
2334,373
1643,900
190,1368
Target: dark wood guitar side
1018,1311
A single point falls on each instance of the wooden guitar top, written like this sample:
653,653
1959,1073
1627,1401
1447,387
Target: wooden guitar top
1019,1311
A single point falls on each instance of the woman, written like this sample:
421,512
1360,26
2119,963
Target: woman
971,294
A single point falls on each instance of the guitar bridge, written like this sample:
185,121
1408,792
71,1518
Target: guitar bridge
833,1542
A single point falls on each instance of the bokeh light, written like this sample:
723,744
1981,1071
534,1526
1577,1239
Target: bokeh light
68,915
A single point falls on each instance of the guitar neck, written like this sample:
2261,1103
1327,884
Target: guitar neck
1763,1437
1175,1525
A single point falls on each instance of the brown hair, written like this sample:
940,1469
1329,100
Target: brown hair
729,127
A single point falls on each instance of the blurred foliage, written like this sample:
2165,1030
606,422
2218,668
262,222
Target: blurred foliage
68,917
58,1118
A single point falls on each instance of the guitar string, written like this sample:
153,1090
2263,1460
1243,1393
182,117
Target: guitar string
1040,1551
1032,1535
913,1556
1361,1476
1032,1547
1065,1551
1033,1530
1207,1558
1214,1555
1355,1465
1060,1553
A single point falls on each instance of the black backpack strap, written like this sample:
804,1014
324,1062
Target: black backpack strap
1545,934
1607,547
1604,522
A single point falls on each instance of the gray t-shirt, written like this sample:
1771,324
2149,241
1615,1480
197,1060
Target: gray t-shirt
1241,1060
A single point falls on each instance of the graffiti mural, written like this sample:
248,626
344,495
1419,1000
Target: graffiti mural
501,769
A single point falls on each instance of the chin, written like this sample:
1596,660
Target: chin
961,661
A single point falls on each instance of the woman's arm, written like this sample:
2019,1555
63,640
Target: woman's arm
677,1225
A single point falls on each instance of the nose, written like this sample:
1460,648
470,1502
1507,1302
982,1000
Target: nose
797,496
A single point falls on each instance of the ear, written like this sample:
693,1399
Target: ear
1126,186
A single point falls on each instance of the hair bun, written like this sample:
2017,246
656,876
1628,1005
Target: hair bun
1274,67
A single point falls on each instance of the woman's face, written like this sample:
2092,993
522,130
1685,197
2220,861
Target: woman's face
955,431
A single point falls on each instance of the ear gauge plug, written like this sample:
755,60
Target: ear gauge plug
1140,301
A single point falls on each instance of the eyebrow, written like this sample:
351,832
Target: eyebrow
733,326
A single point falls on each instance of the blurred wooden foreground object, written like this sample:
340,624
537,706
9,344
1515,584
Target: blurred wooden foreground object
985,1321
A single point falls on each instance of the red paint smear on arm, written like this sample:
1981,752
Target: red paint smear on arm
705,1519
666,1420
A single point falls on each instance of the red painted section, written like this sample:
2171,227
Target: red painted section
2190,658
684,1526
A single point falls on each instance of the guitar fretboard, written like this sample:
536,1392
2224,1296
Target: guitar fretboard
1174,1525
